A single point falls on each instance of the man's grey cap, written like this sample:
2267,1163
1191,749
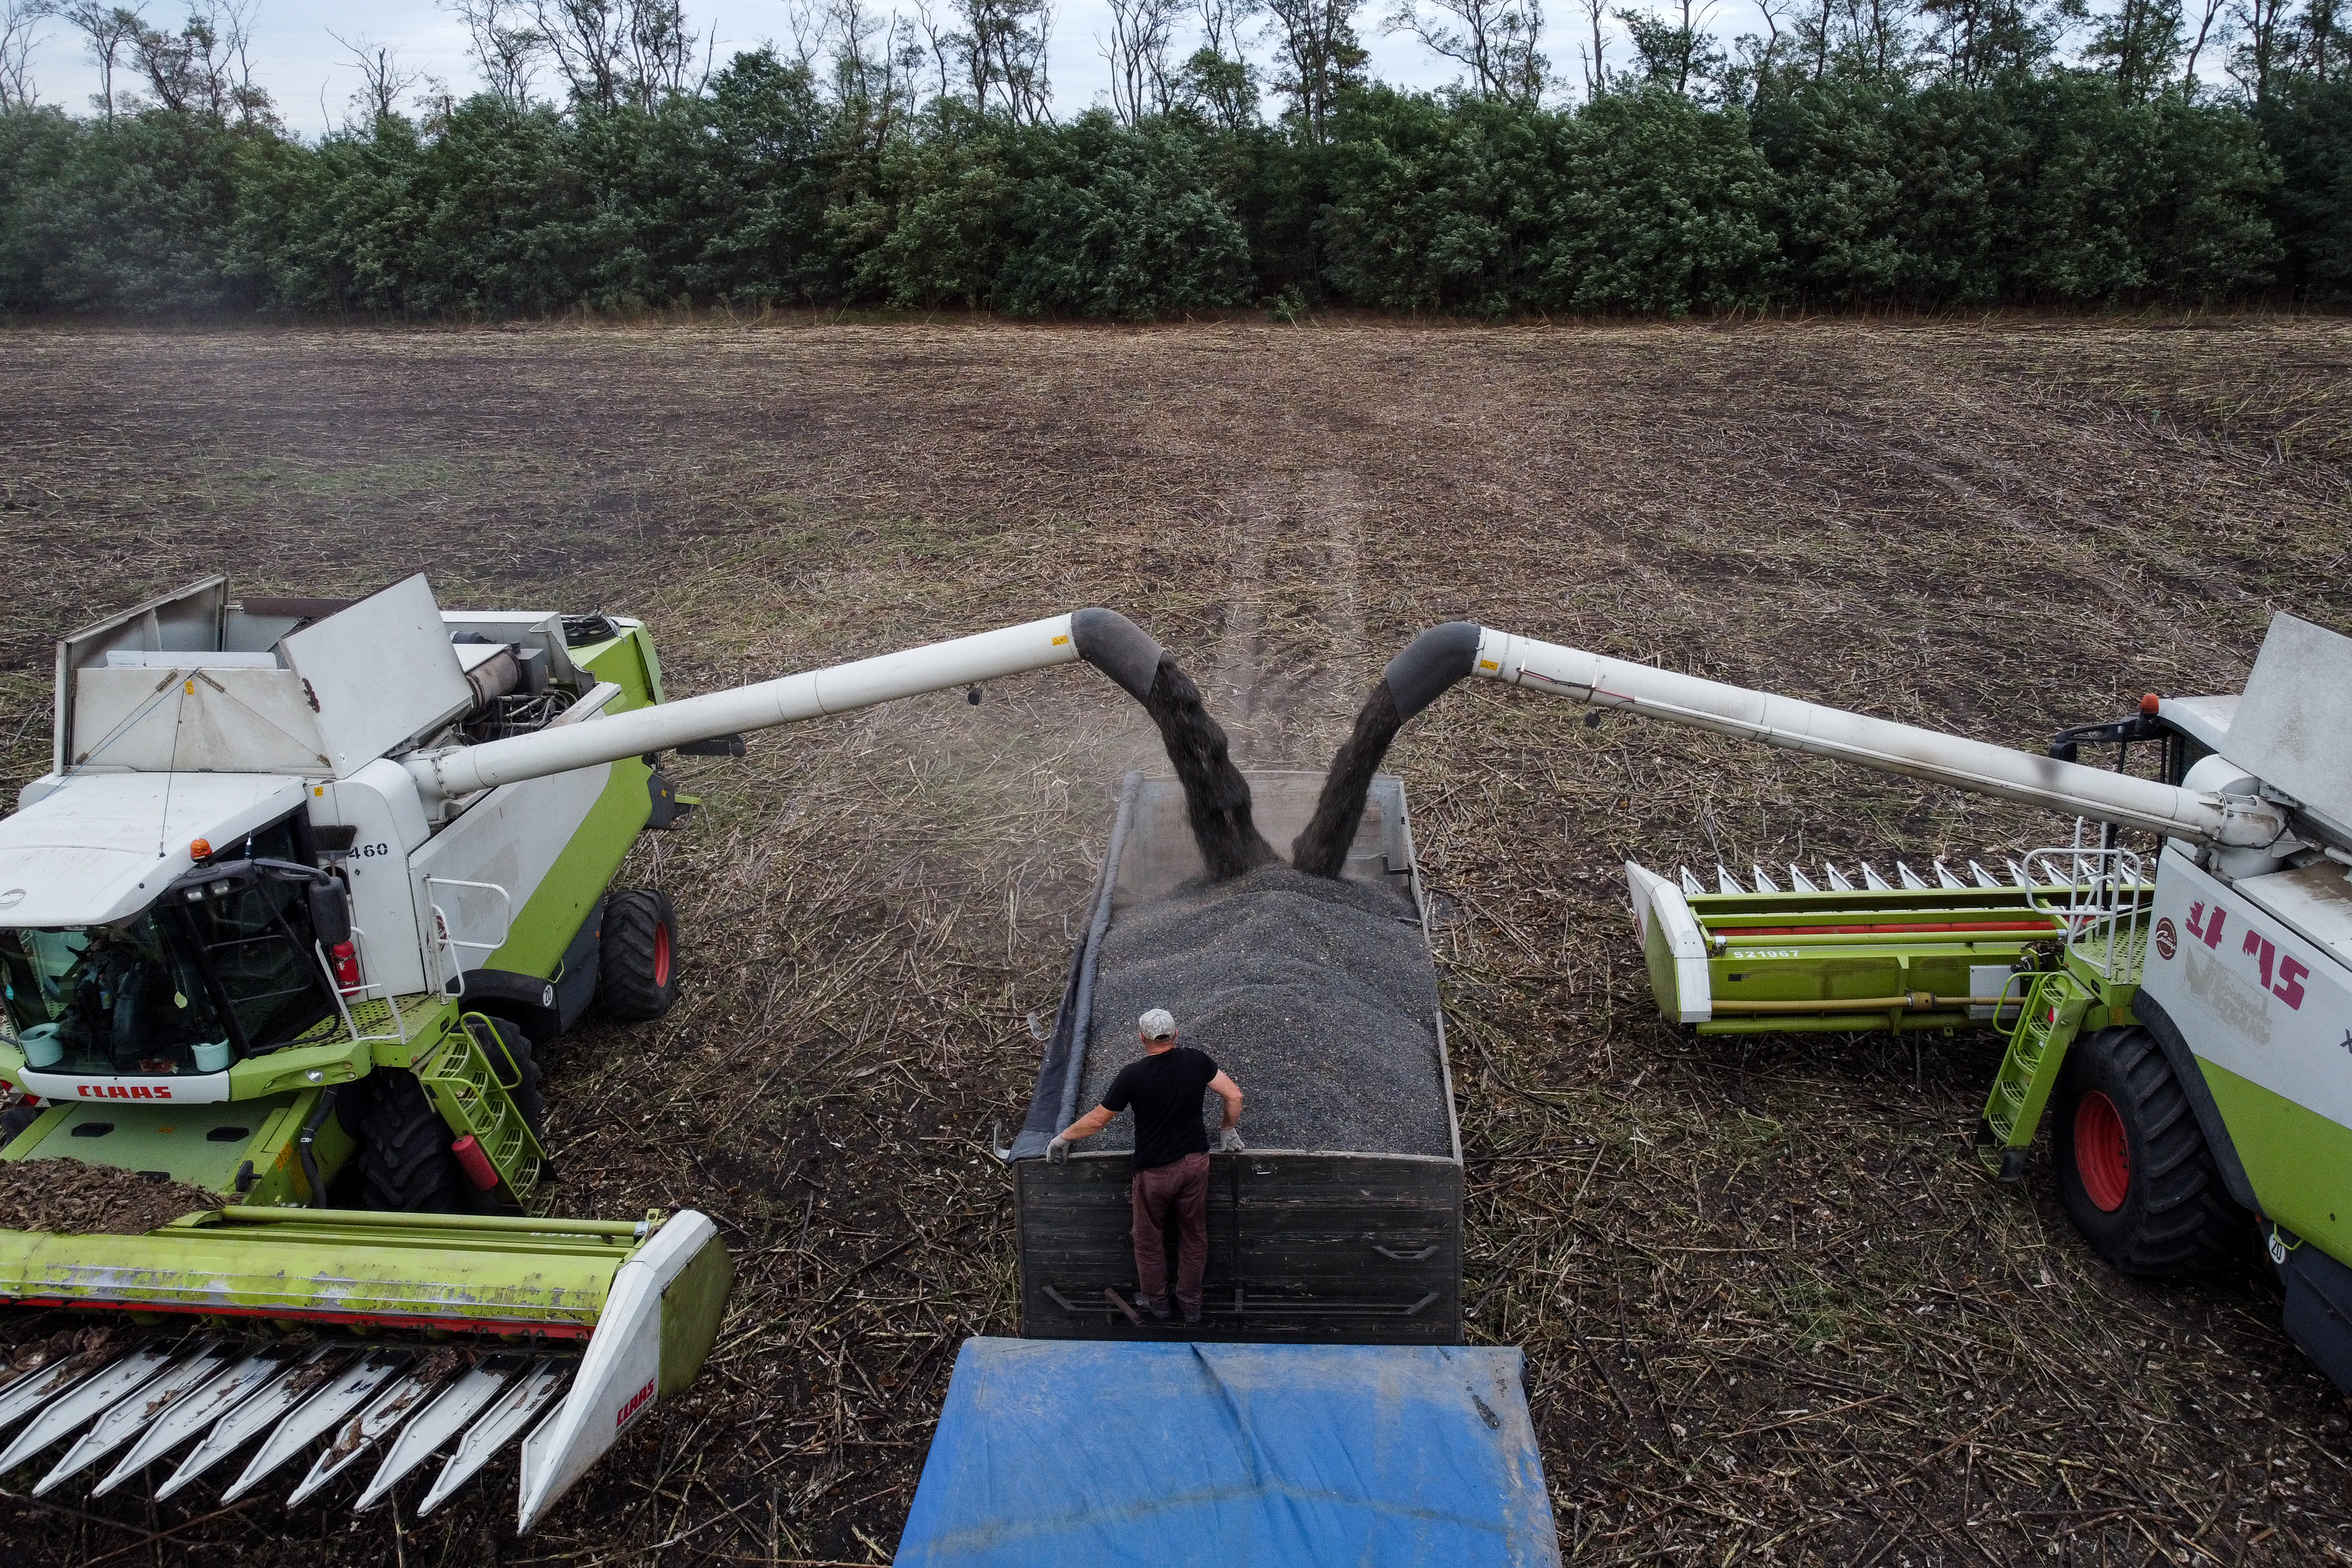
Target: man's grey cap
1158,1023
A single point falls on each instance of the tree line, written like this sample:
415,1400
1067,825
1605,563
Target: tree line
1858,153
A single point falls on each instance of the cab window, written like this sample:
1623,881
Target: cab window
257,938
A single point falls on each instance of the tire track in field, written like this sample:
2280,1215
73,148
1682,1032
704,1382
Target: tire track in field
1339,497
1232,680
1288,665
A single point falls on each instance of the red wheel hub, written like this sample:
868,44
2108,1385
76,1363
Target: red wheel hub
2102,1158
661,957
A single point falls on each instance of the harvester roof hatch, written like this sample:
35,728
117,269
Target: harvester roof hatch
325,697
2204,720
2293,729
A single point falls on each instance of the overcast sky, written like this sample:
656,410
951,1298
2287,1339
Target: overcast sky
311,77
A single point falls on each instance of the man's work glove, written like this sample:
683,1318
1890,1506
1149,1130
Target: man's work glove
1058,1150
1231,1142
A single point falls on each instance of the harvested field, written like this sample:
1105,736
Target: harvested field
1772,1311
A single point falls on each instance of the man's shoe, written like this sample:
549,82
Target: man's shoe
1191,1320
1158,1311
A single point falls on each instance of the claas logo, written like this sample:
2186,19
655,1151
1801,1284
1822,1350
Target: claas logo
122,1091
635,1402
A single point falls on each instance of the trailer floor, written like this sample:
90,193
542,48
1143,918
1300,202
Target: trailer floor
1771,1309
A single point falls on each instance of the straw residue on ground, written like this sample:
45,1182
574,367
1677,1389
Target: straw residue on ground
73,1199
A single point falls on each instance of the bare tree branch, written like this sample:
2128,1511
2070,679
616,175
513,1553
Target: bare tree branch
506,47
205,68
1319,56
2213,10
1142,79
20,22
617,52
384,80
107,30
1596,68
1003,45
1495,40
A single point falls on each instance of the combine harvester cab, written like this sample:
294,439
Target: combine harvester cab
280,930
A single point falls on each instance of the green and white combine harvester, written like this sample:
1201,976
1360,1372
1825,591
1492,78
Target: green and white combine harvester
2191,1028
305,885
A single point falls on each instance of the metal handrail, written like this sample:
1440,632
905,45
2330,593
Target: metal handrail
2107,900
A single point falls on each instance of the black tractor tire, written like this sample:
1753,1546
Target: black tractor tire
406,1166
636,957
2134,1173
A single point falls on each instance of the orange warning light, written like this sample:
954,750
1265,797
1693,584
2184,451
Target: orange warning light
200,850
2149,704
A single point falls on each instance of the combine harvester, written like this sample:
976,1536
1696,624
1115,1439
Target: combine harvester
305,885
2189,1029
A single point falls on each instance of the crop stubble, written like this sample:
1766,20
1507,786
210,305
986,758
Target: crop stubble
1771,1311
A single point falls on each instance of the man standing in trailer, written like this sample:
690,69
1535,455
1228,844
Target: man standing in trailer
1172,1157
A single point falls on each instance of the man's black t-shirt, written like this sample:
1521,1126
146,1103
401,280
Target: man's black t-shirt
1165,1091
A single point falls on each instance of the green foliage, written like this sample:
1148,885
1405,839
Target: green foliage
1667,209
2308,128
1440,206
1808,184
37,148
2039,189
763,182
932,226
1644,202
2135,200
136,214
1122,223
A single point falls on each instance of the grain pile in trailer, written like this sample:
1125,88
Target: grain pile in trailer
1342,1221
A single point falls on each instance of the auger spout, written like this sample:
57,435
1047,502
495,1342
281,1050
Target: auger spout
1105,637
2200,816
1443,655
1217,799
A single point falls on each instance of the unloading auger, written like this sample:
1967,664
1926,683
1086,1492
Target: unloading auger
306,884
2186,1028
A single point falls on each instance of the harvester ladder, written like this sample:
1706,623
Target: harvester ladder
461,1076
2046,1025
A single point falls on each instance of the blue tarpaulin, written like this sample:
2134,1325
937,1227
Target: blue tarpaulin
1098,1454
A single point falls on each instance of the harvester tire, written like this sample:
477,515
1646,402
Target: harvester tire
2134,1173
406,1166
636,974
